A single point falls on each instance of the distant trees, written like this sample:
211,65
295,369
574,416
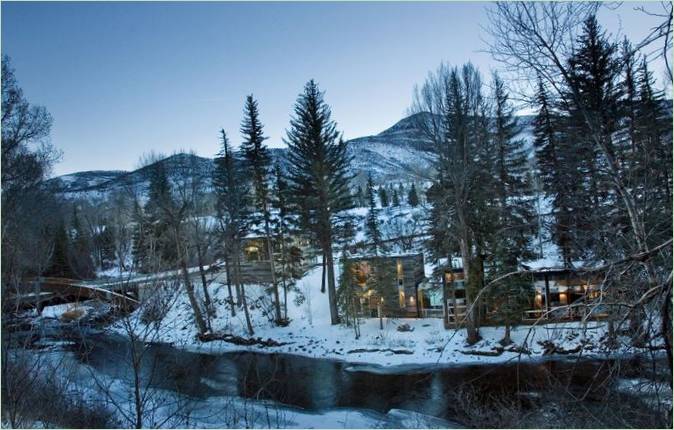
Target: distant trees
359,197
412,197
395,200
318,175
383,197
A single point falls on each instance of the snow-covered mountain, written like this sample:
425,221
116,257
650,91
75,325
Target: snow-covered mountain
399,153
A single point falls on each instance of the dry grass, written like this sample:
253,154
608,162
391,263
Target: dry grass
72,314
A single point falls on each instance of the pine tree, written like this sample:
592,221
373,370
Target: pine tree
290,262
412,197
160,248
372,231
259,161
458,196
60,264
80,251
557,172
652,132
233,211
318,174
395,201
349,294
514,211
383,197
512,173
592,110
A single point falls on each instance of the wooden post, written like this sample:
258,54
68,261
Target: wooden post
445,308
547,296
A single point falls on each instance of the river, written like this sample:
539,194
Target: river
535,392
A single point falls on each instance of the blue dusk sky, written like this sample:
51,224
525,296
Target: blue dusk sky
123,79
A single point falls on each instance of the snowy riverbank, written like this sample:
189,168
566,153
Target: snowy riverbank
428,343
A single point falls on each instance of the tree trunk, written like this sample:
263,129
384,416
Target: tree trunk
637,332
332,296
445,308
666,327
204,284
285,299
506,336
356,325
284,272
198,317
229,285
138,401
249,324
472,334
270,253
323,273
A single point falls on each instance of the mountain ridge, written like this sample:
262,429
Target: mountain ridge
399,152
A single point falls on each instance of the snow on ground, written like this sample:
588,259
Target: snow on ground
310,334
75,309
652,392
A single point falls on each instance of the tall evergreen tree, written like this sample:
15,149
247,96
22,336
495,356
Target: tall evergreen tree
284,228
233,211
514,210
458,130
512,186
652,136
318,174
593,113
259,161
372,231
557,170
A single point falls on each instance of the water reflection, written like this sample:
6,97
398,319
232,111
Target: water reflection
315,384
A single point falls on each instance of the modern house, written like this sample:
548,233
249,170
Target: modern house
558,294
406,273
562,293
255,263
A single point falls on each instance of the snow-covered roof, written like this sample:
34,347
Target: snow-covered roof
387,255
